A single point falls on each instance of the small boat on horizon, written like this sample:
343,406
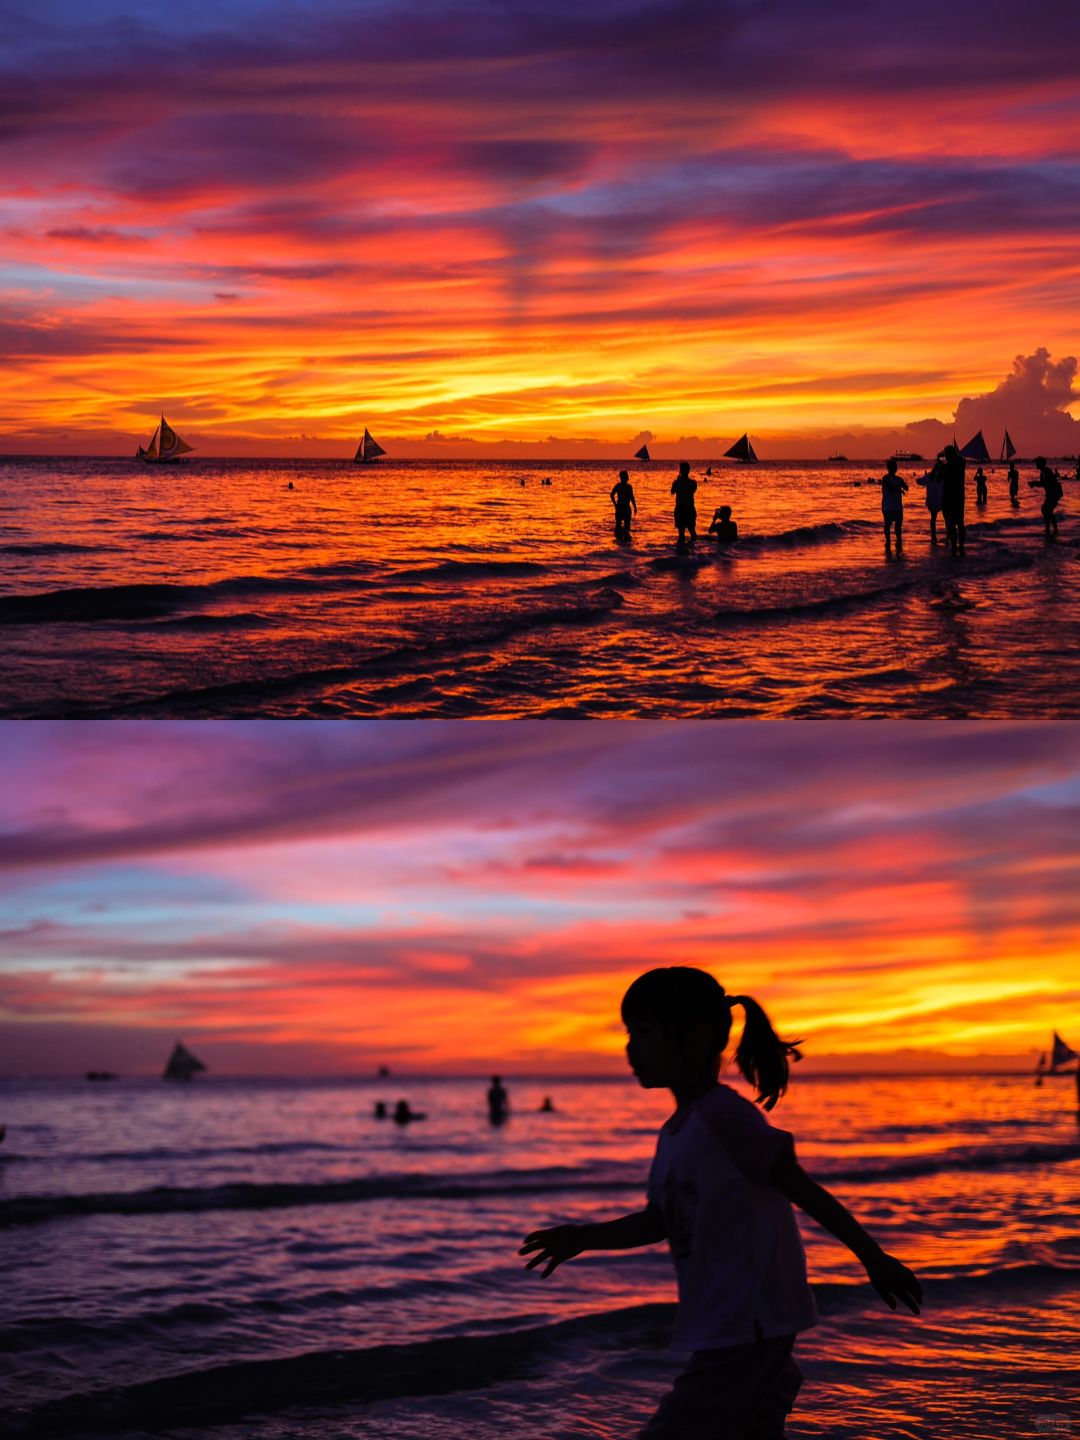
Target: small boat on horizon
643,453
1060,1054
369,449
837,458
171,447
743,451
906,455
182,1064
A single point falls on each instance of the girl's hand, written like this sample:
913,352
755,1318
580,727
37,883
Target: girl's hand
893,1280
554,1246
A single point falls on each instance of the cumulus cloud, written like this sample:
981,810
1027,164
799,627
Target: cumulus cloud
1033,402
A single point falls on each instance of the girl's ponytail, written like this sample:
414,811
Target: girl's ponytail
761,1055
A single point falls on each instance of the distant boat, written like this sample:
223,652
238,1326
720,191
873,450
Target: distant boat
975,449
838,457
368,450
742,450
906,455
100,1075
642,454
172,447
182,1064
1008,449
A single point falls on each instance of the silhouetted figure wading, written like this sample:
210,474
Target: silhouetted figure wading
622,497
720,1191
1050,485
684,488
893,489
723,527
934,483
498,1101
952,497
1014,484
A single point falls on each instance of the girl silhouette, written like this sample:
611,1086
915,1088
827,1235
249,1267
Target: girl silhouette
720,1192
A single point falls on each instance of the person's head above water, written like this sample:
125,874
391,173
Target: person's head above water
890,466
684,467
1040,462
725,512
678,1019
624,475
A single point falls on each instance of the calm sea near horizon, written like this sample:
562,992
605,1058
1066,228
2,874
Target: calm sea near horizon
263,1258
469,589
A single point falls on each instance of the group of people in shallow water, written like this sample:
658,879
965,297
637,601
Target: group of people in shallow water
946,484
684,488
498,1104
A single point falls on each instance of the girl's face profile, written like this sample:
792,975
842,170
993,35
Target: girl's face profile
649,1053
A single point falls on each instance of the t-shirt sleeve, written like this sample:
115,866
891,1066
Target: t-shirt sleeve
752,1144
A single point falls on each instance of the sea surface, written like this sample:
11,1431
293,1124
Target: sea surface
466,589
258,1259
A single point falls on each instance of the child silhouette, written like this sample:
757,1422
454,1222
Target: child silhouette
720,1192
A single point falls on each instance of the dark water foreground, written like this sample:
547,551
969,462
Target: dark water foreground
456,590
263,1259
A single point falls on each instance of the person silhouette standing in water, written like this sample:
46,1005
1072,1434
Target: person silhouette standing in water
684,488
893,489
981,492
953,497
498,1101
622,497
1050,485
1014,484
720,1192
934,483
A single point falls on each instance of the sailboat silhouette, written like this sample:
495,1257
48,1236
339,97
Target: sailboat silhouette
182,1064
172,447
368,450
742,450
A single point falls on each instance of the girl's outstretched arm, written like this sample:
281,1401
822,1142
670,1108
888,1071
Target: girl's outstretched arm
890,1278
563,1242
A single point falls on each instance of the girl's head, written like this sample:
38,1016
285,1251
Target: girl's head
679,1021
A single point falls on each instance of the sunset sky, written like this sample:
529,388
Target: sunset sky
314,898
490,223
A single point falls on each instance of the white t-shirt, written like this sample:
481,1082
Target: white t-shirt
733,1237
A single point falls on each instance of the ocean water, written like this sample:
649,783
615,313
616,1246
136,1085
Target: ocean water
455,589
265,1259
